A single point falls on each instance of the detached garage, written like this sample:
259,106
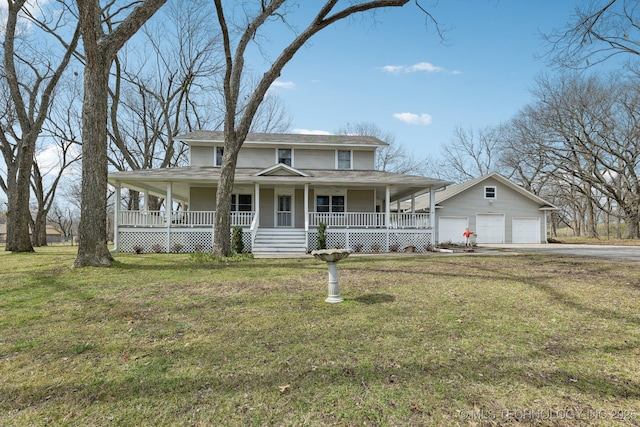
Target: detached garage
498,210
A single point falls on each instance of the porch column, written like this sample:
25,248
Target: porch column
169,204
145,201
387,211
306,215
387,206
256,191
432,211
414,223
116,216
169,211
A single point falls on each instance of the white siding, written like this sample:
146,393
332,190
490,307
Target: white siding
363,160
202,156
315,159
257,157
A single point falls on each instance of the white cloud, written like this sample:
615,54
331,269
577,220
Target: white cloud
393,69
50,157
414,119
311,132
426,67
283,85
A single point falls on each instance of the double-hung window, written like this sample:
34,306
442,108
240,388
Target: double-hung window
285,156
219,153
344,159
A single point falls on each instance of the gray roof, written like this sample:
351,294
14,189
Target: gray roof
284,138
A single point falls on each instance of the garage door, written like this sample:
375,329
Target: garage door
526,230
450,228
490,228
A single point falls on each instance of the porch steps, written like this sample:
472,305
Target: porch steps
279,242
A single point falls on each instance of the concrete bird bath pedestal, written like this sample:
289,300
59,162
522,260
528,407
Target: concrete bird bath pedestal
332,257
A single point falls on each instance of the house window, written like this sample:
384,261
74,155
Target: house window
219,153
241,203
344,159
489,192
330,204
284,156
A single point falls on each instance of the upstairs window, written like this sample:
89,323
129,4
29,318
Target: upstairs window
344,159
284,156
241,203
490,192
219,154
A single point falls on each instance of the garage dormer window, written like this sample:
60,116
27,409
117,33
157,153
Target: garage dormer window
285,156
490,192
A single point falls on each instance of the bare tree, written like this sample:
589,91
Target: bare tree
100,49
592,139
64,219
391,158
597,31
238,121
161,88
29,78
469,154
520,157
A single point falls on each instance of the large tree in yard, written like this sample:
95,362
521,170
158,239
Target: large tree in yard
100,49
239,115
29,78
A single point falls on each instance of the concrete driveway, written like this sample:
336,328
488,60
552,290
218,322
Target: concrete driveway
625,253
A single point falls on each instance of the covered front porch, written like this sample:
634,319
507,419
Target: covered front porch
184,230
278,208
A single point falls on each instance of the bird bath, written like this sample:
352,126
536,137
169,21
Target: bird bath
332,257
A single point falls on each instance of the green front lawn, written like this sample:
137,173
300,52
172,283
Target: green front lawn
426,340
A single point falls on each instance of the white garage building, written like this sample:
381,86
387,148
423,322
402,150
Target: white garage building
498,210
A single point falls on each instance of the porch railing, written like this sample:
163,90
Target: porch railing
369,220
331,219
179,218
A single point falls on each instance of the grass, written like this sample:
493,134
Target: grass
420,340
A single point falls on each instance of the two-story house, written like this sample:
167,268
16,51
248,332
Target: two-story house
285,186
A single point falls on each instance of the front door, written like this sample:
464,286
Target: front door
283,211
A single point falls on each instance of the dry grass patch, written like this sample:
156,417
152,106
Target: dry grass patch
433,340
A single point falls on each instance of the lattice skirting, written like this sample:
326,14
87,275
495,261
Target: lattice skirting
375,241
177,240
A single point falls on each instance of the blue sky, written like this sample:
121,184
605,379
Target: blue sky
398,75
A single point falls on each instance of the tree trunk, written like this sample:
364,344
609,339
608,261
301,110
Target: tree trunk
92,231
632,220
222,221
40,228
134,200
18,239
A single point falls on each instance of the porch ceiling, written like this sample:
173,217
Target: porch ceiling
155,181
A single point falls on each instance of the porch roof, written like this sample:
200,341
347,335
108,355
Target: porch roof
155,181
